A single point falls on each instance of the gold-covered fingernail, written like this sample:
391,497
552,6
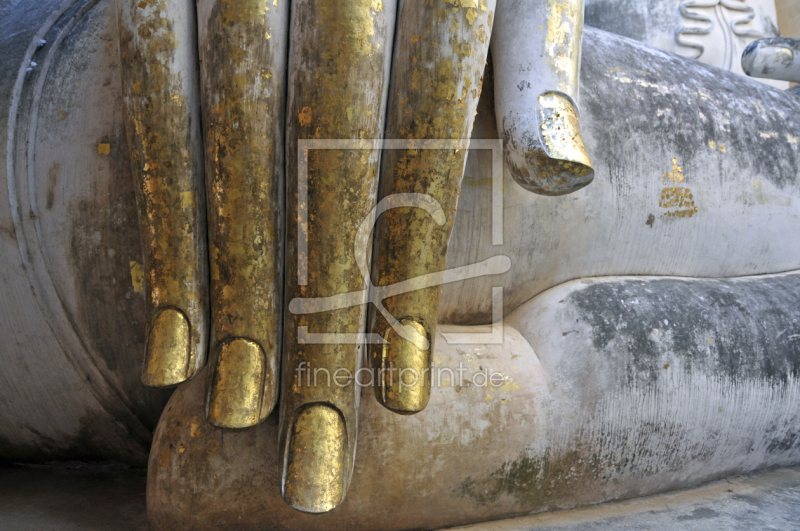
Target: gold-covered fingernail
314,480
237,385
543,150
567,159
404,381
167,357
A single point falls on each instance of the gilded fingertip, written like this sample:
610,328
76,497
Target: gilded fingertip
168,346
237,390
404,380
314,476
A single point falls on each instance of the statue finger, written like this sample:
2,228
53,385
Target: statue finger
243,46
437,74
338,79
536,76
161,93
775,58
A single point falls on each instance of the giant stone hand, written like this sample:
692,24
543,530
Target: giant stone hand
220,274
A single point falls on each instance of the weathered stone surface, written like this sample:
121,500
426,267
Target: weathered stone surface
637,385
714,32
72,316
72,312
666,135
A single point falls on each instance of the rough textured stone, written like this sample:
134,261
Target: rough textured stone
611,388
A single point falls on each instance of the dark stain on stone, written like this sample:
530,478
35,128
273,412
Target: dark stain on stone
104,240
750,500
735,328
52,183
699,514
545,480
98,438
650,220
600,14
783,444
9,231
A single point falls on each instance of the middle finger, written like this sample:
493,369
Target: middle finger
339,67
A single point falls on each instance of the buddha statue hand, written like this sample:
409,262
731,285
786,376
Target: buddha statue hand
236,228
